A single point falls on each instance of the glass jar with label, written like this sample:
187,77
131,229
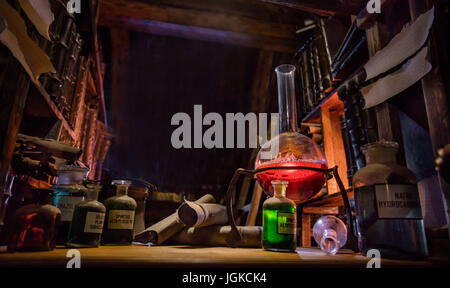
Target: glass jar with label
87,222
119,221
387,204
35,225
279,220
69,191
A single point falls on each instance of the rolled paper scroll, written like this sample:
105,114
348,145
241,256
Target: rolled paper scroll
202,214
217,236
159,232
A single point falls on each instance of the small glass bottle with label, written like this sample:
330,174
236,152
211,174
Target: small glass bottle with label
388,212
279,220
119,221
87,222
69,191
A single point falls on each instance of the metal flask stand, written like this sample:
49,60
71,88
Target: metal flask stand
235,236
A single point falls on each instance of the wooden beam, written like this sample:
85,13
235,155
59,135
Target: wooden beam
435,85
201,34
197,18
323,7
98,75
254,9
14,84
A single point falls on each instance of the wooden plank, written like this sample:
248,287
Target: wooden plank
254,9
334,145
306,230
198,18
199,33
323,7
191,257
321,210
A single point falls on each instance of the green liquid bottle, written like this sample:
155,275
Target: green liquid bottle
279,220
119,222
87,222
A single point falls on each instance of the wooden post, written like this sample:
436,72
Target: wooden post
388,120
334,146
436,84
13,94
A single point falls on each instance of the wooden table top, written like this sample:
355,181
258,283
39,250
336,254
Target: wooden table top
192,257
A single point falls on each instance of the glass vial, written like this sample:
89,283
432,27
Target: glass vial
87,222
35,225
279,220
119,222
330,234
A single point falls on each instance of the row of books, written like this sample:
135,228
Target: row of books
65,50
314,67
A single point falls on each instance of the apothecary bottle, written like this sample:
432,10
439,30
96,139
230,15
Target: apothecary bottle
35,225
69,191
279,220
119,221
387,204
87,221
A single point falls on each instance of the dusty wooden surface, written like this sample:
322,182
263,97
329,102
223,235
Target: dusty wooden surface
188,256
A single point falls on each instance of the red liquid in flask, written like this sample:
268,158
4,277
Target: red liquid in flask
303,184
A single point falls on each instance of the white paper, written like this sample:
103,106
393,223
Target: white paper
40,13
15,37
391,85
402,46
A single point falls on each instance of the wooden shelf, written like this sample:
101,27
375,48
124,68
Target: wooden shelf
190,257
54,109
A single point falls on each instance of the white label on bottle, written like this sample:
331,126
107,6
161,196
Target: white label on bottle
398,201
67,204
285,223
94,222
121,219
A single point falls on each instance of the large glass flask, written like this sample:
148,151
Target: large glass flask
290,148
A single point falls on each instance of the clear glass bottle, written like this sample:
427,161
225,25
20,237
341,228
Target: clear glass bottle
119,221
279,220
388,212
290,148
330,234
87,222
35,225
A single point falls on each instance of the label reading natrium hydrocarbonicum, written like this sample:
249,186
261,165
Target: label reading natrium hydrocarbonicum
398,201
120,219
94,222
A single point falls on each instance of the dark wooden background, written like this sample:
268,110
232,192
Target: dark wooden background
167,75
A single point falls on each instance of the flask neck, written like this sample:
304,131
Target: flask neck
329,242
380,153
121,190
92,195
286,98
279,188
